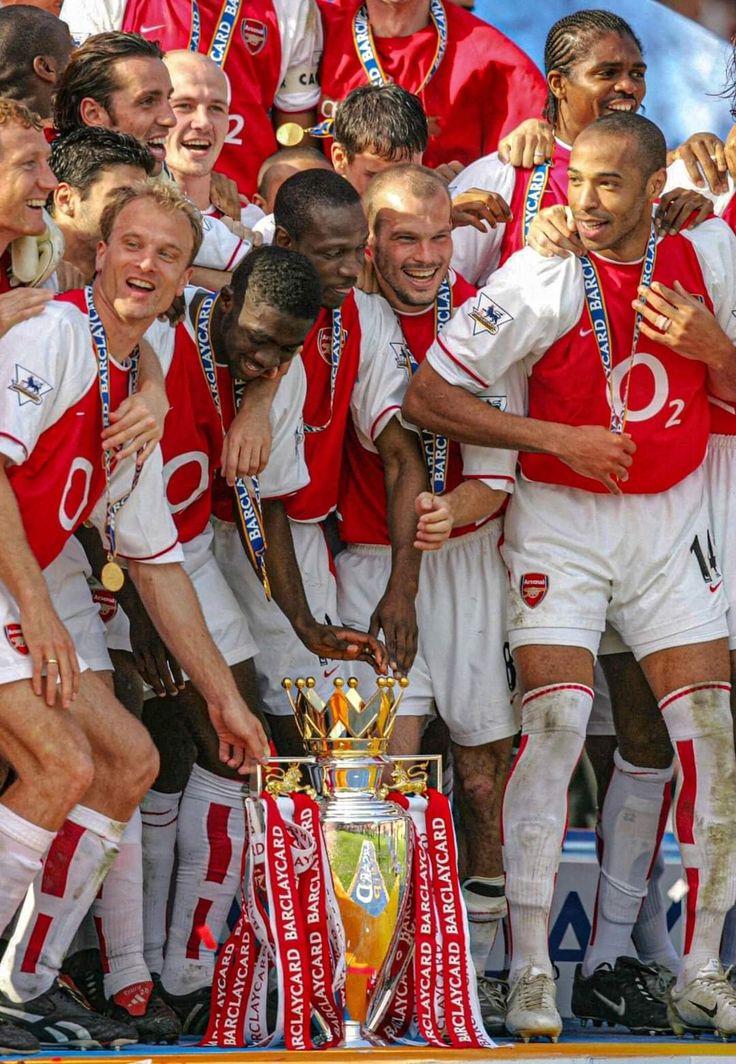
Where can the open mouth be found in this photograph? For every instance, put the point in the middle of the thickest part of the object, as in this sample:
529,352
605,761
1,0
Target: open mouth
421,274
197,147
139,286
590,227
157,147
626,104
36,204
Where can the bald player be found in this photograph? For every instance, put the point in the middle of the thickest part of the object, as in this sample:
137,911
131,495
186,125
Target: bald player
34,49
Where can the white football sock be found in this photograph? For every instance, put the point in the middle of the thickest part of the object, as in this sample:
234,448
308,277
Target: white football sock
159,814
698,720
75,865
632,821
485,903
210,840
651,935
22,849
554,719
118,915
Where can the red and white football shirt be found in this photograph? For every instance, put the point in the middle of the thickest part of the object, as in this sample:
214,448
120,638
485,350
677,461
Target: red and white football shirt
271,61
533,311
476,255
50,425
722,414
193,432
363,505
484,87
370,379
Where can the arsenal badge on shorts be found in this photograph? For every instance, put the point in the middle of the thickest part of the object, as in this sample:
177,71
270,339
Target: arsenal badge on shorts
14,635
533,588
255,34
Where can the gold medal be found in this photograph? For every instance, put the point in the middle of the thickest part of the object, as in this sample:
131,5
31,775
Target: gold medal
112,576
290,134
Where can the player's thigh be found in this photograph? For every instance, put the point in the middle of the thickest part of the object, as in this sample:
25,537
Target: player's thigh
115,737
41,742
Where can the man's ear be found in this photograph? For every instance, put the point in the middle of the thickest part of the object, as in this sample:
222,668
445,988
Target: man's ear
281,238
65,199
226,298
44,68
339,158
93,113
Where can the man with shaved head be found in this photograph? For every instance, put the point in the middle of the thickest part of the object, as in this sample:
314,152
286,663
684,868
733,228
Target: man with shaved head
34,49
462,584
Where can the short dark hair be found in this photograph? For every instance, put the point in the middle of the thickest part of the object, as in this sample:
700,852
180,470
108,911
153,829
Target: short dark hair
281,278
569,40
165,195
301,194
91,73
78,157
650,143
383,119
25,33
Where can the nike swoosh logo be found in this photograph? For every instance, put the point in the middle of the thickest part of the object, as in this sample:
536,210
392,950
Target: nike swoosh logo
705,1009
585,332
329,672
619,1008
150,29
714,587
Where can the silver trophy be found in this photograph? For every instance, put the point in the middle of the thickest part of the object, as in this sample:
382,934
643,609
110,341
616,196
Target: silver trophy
368,839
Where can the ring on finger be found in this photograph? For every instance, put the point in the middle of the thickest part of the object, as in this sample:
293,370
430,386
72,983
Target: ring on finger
52,661
663,323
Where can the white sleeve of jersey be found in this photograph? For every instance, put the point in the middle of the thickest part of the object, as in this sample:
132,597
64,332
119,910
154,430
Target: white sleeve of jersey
527,305
250,214
301,51
46,366
678,177
266,227
715,245
144,528
161,336
221,249
475,255
85,18
286,469
382,373
495,466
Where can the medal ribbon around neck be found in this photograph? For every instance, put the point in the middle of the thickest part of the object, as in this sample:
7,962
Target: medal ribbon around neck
365,46
223,36
112,507
247,505
602,330
435,448
335,356
535,190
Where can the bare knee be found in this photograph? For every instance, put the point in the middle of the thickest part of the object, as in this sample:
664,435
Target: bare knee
482,770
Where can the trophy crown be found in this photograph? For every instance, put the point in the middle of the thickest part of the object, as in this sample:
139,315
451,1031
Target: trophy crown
345,723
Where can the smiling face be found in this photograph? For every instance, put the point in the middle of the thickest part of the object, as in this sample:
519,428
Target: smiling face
611,77
87,209
335,244
411,243
261,339
140,105
610,198
200,106
25,180
145,263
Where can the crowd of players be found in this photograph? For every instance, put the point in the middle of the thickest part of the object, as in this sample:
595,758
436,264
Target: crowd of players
264,408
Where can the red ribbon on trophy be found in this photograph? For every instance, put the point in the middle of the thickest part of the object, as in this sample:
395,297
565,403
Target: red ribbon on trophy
289,923
444,999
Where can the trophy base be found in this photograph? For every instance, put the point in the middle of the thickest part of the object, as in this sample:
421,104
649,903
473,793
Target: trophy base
356,1037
